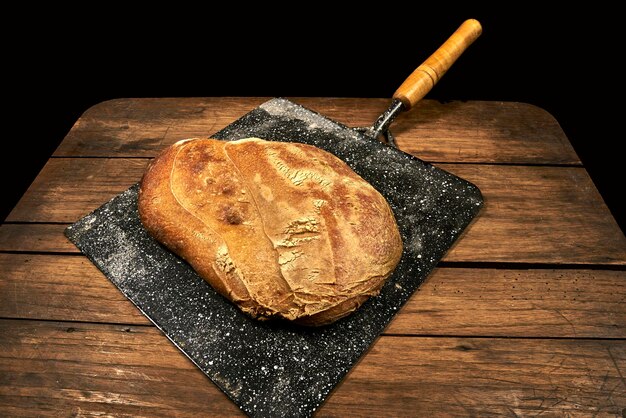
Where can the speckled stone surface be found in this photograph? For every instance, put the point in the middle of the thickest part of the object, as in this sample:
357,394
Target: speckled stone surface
278,369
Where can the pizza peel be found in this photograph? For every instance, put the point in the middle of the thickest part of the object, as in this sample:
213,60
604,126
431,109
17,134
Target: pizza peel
276,368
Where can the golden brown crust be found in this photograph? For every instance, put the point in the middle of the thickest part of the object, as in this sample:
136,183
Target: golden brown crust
281,229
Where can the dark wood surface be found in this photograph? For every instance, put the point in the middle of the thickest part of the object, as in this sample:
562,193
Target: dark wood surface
525,315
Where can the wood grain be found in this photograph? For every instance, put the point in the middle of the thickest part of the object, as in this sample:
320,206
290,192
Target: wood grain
500,132
531,214
49,368
530,303
67,189
548,303
88,369
484,377
35,238
538,215
483,132
68,288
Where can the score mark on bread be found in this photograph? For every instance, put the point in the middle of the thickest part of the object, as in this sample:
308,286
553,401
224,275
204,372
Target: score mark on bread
283,230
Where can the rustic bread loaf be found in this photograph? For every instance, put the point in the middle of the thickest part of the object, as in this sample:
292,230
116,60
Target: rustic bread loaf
281,229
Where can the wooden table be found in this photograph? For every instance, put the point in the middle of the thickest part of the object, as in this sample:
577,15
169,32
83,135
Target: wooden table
525,315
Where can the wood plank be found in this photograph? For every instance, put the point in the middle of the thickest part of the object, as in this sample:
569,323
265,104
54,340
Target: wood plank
35,238
476,131
90,369
538,215
69,188
485,377
532,214
68,288
87,370
525,303
483,132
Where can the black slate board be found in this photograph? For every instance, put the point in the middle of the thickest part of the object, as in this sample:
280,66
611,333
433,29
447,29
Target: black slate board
279,369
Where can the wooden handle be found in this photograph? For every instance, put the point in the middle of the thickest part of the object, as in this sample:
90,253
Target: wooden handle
422,80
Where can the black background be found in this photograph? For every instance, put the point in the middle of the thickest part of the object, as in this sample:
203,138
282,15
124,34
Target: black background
59,63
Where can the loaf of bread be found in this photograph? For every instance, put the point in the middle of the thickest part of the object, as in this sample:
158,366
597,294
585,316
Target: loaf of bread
283,230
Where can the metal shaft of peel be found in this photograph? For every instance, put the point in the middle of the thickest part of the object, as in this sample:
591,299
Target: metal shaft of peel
381,126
